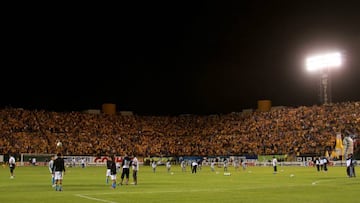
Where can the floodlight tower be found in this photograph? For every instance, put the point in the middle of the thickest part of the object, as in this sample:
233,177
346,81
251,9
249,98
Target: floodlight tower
324,63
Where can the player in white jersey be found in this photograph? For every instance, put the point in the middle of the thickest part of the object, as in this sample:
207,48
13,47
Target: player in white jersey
135,168
153,166
274,163
226,164
183,166
12,165
51,169
168,166
212,165
194,166
236,164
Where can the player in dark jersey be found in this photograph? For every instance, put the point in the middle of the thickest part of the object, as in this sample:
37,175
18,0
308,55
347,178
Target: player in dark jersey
108,170
113,171
59,171
125,169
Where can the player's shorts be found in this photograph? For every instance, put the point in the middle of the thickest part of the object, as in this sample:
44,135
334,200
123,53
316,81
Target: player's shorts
58,175
108,172
125,173
113,177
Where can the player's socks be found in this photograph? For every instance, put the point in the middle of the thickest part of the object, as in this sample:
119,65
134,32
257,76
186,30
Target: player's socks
107,180
113,185
56,187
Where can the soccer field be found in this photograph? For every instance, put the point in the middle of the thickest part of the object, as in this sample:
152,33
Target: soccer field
255,184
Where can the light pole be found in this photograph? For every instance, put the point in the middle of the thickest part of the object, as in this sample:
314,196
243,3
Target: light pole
324,63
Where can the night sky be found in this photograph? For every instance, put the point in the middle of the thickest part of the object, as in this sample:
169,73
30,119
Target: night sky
182,57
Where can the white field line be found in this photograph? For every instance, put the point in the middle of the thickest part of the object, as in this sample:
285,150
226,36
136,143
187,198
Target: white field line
96,199
315,182
87,196
163,191
318,181
142,192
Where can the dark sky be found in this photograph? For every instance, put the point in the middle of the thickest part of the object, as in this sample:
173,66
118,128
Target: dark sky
161,58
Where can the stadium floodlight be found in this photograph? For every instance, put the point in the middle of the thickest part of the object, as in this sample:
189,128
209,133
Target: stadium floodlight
319,62
324,63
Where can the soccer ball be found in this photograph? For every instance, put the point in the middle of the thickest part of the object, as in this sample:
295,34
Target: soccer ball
59,144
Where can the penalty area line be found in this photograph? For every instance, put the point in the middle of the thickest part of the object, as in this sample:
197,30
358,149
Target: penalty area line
318,181
93,198
315,182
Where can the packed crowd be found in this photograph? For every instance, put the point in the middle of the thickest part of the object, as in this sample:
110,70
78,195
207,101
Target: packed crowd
286,130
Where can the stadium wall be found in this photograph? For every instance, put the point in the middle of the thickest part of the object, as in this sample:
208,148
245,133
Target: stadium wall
42,160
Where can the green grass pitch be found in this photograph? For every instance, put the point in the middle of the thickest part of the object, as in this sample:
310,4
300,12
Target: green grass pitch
255,184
